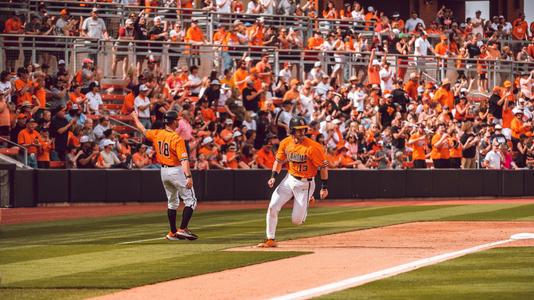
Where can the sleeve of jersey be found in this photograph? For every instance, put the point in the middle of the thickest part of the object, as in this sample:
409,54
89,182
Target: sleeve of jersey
181,151
150,134
281,153
317,156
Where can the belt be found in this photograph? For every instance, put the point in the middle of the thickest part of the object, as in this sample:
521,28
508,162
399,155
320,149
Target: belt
169,166
301,178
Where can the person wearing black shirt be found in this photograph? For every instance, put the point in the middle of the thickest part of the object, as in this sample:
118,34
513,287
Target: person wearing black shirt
88,156
386,112
213,93
251,97
495,104
399,96
59,130
399,136
469,146
498,136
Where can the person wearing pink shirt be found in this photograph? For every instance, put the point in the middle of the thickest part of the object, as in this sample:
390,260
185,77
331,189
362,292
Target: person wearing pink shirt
185,130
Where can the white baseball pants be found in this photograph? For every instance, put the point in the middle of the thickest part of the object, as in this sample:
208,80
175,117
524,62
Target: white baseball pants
290,187
174,183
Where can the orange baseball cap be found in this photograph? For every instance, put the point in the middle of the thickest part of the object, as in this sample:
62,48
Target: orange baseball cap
64,12
507,84
294,82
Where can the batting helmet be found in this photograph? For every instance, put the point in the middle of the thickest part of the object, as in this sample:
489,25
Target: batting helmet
297,123
170,116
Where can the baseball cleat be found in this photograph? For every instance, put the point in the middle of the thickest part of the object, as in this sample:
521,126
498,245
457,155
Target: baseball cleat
269,243
173,237
186,234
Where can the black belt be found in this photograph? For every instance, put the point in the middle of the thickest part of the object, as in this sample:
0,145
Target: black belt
168,166
300,178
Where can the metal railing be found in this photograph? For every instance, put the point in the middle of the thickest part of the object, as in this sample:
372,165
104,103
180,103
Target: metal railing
24,150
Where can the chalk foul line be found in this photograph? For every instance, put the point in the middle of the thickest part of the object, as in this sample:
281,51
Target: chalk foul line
389,272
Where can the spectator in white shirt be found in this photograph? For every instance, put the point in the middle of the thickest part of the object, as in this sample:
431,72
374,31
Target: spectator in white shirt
286,71
493,159
223,6
387,75
142,106
317,72
94,27
413,21
267,6
478,23
525,83
195,81
422,45
102,126
357,96
254,7
94,99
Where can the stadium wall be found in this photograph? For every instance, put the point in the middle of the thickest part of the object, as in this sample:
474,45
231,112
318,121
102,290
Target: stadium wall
41,187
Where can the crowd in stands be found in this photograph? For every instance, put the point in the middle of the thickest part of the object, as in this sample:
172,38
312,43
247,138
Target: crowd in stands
380,118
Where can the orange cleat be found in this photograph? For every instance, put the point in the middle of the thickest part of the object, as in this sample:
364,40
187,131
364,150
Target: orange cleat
269,243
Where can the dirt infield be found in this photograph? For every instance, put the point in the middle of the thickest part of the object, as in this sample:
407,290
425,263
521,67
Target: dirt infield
55,213
335,257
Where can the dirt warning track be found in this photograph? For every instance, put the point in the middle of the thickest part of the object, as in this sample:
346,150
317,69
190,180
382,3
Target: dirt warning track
334,258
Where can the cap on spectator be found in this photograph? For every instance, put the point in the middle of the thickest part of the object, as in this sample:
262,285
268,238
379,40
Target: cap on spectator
75,106
287,102
376,62
464,90
229,122
26,104
317,64
237,133
507,84
21,116
325,76
294,82
124,136
517,110
287,64
501,17
395,15
237,22
225,87
143,88
388,96
328,118
32,120
413,75
445,81
95,10
36,66
107,142
498,127
443,37
87,61
64,12
194,20
84,139
260,20
371,9
61,62
375,87
215,82
353,78
429,85
129,22
157,19
336,121
463,25
207,140
247,59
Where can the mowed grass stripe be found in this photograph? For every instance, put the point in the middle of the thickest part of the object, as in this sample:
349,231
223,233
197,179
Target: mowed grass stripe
523,212
157,270
56,294
502,273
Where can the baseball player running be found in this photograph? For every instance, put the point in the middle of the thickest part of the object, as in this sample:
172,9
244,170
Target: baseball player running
305,157
175,173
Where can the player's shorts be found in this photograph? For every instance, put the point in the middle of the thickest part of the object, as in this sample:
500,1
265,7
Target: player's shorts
173,179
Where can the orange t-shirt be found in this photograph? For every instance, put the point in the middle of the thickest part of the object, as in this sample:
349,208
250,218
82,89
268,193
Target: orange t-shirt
44,155
373,76
441,152
27,96
169,146
291,95
418,148
208,114
520,29
411,89
231,160
444,97
40,93
455,152
507,117
240,75
265,157
128,104
304,158
517,128
441,49
314,43
194,34
25,138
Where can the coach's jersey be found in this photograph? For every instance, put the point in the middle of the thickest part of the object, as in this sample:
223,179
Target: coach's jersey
304,158
169,146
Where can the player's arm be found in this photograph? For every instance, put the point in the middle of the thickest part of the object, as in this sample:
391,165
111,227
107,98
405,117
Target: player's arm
138,124
184,161
277,167
323,193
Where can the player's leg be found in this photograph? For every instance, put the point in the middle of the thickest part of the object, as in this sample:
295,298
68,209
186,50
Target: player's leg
172,202
190,201
302,191
280,196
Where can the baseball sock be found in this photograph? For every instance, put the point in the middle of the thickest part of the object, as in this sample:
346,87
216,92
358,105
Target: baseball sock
171,214
186,216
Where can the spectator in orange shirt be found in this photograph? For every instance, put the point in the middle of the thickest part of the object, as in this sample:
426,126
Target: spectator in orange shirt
31,139
240,76
23,87
330,11
43,158
418,143
373,70
265,157
13,25
444,95
440,148
411,86
208,115
520,28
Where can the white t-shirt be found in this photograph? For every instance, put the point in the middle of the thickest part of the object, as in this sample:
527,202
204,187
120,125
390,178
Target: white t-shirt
94,100
194,80
94,28
386,79
307,104
286,74
250,125
140,101
411,23
269,6
525,84
322,89
285,116
494,159
250,7
4,86
358,99
224,8
316,74
421,47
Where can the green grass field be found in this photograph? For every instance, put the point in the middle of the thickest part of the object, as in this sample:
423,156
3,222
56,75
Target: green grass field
82,258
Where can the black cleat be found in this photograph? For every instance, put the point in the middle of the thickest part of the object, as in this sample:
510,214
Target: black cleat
186,234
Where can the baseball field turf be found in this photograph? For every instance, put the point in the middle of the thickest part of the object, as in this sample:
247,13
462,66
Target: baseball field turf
88,257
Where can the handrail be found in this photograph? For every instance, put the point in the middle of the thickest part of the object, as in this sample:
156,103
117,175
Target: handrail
20,146
123,123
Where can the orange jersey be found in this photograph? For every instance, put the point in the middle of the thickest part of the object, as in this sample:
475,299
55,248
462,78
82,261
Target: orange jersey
169,146
304,158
